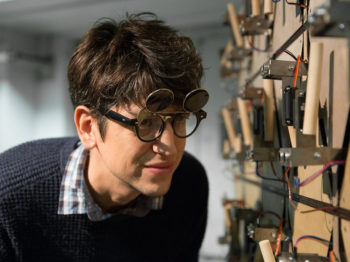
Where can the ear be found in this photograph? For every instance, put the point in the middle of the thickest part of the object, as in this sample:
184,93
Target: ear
86,125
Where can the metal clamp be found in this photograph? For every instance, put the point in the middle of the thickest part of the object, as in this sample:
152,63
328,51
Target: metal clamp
277,69
293,157
255,25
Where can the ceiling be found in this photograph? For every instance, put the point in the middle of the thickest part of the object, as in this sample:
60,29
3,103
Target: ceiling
74,17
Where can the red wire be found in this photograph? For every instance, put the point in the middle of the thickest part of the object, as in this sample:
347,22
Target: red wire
289,188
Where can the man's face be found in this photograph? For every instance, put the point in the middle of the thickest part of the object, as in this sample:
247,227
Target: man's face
131,166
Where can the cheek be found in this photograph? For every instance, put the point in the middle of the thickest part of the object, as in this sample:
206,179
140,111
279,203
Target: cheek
124,148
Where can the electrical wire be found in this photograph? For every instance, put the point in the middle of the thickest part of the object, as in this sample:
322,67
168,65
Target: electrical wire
280,230
301,5
324,241
267,49
316,174
264,177
278,242
319,209
267,212
289,188
287,52
296,72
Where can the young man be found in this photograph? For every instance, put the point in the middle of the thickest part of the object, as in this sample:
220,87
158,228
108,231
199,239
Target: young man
124,190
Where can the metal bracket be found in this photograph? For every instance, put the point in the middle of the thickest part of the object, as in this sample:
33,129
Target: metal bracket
261,233
277,69
293,157
255,25
331,20
242,156
252,93
239,53
263,154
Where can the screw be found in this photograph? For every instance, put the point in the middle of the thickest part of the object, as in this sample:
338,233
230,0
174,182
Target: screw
317,155
273,234
258,24
311,19
341,26
291,67
301,93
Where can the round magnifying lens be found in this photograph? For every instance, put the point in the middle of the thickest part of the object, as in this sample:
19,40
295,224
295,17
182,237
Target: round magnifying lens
159,99
149,125
184,125
196,100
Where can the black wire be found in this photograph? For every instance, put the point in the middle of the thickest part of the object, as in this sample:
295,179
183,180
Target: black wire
264,177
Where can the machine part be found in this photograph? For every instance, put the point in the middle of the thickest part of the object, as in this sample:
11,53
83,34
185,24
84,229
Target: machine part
255,25
258,122
293,157
277,69
269,233
284,46
321,206
300,107
331,20
252,93
288,107
239,53
263,154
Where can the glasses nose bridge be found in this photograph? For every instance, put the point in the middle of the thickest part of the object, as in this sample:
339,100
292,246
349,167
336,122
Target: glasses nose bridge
165,118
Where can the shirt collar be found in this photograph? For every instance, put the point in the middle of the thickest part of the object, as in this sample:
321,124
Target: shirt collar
75,198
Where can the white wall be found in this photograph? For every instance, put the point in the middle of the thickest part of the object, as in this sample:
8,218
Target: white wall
34,103
206,144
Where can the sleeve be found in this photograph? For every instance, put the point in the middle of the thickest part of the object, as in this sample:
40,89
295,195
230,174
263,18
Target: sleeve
197,216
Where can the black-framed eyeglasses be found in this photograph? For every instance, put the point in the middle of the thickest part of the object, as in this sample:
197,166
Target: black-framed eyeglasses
149,125
150,122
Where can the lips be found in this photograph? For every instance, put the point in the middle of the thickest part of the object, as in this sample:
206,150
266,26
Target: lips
159,168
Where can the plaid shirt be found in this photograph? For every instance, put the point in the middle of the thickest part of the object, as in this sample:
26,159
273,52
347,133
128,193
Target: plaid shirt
75,198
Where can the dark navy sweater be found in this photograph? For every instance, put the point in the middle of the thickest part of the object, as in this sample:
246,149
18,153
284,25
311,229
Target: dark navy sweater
31,229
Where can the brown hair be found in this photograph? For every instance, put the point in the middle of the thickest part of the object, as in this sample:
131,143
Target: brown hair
121,63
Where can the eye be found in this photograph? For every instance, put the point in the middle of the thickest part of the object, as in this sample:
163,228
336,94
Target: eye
147,122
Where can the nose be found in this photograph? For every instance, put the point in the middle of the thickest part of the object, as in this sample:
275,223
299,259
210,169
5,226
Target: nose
166,143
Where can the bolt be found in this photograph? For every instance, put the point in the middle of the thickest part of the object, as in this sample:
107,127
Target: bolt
311,19
258,24
301,93
306,260
273,234
291,68
317,155
341,26
265,67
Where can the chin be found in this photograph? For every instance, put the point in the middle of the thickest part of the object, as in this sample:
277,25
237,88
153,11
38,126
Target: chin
159,190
